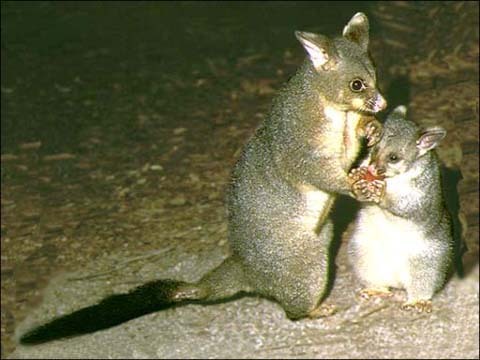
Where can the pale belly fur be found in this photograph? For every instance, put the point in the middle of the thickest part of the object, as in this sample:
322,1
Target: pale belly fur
382,246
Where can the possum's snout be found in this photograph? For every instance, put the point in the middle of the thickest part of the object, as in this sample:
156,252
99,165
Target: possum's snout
374,173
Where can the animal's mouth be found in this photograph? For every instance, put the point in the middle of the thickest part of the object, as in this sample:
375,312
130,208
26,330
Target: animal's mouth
366,111
378,173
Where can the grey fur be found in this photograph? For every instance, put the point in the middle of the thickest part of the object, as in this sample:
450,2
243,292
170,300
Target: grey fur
282,189
410,219
298,147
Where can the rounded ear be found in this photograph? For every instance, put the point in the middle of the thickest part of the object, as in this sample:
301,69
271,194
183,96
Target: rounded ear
400,110
430,138
319,49
357,30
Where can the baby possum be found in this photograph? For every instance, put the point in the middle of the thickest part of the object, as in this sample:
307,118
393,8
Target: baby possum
403,234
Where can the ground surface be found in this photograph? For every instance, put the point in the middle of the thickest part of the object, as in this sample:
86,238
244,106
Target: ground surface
120,124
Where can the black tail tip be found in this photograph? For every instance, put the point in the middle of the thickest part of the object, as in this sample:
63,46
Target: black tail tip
44,334
34,338
111,311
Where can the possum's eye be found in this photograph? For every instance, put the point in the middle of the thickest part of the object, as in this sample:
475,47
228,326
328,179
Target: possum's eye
357,85
393,158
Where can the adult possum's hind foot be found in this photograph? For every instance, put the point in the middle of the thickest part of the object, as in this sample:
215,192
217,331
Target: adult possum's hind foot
419,305
324,310
368,294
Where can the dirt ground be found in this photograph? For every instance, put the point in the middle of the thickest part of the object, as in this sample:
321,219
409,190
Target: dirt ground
120,126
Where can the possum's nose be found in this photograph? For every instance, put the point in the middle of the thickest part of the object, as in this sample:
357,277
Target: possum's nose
380,103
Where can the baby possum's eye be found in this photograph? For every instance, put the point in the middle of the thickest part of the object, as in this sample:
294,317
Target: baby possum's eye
393,158
357,85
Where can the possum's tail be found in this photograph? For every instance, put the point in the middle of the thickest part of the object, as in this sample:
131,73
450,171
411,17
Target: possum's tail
223,282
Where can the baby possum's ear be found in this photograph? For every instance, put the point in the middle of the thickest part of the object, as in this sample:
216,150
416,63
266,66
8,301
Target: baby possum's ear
429,139
400,110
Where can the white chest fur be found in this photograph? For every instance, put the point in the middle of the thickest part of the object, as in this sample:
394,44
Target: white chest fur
336,117
402,189
382,247
343,126
350,137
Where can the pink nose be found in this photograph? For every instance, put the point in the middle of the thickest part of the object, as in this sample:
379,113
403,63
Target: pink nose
381,103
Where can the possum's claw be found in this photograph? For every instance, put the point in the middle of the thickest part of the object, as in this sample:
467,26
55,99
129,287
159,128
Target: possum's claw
369,191
377,188
357,174
419,305
324,310
367,294
360,190
373,132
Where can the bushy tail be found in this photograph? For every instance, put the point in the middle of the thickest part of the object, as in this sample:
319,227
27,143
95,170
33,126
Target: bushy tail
114,310
223,282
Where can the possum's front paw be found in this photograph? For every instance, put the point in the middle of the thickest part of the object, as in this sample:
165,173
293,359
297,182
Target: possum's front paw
357,174
369,191
419,305
373,132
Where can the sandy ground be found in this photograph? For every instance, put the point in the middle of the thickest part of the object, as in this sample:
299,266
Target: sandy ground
257,328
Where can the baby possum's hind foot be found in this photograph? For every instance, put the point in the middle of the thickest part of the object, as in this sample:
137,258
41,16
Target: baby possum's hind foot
419,305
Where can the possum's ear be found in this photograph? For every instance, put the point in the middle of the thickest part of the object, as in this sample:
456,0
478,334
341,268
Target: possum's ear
429,139
357,30
400,110
319,48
